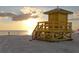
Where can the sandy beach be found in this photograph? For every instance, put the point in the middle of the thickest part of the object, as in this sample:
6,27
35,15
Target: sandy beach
23,44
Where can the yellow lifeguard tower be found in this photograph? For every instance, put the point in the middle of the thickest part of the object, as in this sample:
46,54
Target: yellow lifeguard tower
57,28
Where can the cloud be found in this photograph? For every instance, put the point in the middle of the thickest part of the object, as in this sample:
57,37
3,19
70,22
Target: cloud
28,12
23,17
74,19
7,14
75,16
17,17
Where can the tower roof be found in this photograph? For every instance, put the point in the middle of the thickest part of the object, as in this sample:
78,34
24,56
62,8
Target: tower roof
58,10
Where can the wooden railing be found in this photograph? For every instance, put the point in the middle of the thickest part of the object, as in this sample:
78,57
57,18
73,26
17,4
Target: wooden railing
44,26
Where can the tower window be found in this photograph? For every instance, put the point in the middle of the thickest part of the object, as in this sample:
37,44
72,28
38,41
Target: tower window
56,26
61,27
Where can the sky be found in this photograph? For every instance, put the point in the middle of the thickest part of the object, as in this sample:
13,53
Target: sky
6,23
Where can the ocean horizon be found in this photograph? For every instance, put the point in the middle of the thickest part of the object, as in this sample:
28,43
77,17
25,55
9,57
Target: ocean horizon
13,32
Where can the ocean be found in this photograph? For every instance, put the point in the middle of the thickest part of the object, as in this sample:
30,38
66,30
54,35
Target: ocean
13,32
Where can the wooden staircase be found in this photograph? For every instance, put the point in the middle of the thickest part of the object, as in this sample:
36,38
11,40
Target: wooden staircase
42,32
38,29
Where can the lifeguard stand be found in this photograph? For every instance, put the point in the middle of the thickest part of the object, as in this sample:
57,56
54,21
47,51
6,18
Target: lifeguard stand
57,28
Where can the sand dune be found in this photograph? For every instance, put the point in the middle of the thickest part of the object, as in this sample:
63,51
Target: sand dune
22,44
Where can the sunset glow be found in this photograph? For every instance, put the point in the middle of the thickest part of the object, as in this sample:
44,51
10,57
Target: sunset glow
36,15
29,24
33,15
